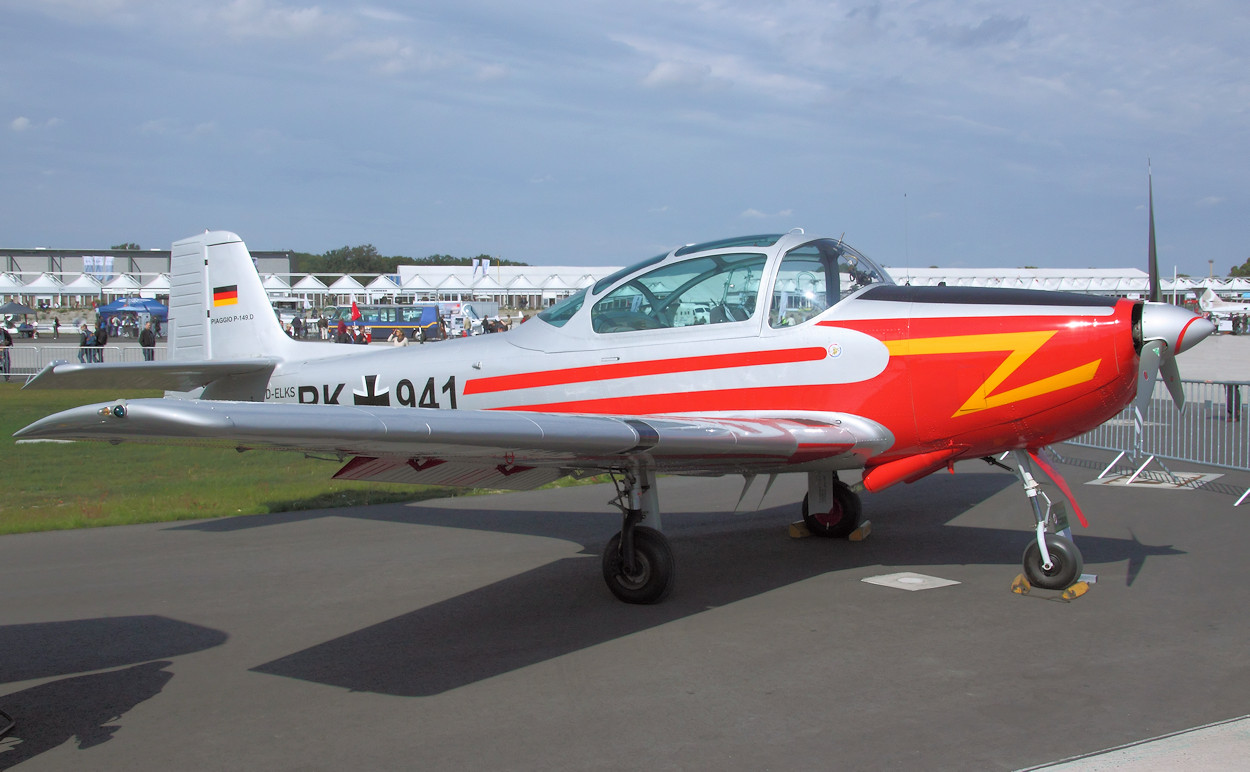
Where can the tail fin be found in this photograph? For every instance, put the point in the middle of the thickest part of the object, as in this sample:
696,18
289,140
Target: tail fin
1207,300
218,308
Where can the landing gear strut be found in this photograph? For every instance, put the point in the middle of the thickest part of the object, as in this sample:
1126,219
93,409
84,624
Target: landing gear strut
637,563
1051,560
830,508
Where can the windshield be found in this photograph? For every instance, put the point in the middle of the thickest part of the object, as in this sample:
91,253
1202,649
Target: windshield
704,290
561,312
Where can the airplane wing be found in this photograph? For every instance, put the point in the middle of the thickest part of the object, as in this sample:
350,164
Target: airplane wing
169,376
480,448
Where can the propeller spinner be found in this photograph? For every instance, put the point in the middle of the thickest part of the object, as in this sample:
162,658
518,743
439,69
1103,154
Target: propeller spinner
1166,331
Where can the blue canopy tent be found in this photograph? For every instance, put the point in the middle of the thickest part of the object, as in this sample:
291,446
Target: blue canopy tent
156,310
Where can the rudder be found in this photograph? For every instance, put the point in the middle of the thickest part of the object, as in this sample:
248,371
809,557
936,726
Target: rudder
218,308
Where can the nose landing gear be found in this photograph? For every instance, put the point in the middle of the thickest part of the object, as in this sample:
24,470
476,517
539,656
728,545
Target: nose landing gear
1051,561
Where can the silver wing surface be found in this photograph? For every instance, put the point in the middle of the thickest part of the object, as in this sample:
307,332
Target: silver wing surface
480,448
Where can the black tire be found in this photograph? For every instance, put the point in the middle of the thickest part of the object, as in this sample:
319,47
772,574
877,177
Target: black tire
653,562
1066,560
842,518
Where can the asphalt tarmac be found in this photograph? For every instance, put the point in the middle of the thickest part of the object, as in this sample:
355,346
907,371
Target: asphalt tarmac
477,633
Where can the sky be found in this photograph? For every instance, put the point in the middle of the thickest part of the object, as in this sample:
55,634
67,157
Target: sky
949,133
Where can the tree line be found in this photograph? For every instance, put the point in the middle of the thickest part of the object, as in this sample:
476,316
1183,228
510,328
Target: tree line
365,259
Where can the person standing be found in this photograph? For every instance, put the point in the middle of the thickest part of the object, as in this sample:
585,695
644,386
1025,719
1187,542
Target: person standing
56,328
6,343
101,337
398,338
147,339
86,341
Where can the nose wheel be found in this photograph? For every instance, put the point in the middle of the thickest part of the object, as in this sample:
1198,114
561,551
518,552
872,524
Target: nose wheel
1065,563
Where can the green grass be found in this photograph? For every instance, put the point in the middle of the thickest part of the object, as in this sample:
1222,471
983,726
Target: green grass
49,486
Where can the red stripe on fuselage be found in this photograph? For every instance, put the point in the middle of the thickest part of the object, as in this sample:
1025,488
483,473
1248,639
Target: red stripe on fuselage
634,369
765,398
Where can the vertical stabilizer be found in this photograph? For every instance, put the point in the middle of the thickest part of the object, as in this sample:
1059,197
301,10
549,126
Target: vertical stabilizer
218,308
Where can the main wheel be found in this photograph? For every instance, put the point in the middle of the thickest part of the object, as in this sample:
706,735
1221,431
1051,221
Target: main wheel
842,517
653,567
1065,559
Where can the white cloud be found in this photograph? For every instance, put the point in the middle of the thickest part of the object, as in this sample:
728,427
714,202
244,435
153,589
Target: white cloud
1209,201
755,214
22,124
265,19
383,15
678,73
391,56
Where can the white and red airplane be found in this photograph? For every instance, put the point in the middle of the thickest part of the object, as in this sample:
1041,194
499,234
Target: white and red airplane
752,356
1210,303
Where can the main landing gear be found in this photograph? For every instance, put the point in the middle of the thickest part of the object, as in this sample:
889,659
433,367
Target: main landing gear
830,508
637,563
1051,560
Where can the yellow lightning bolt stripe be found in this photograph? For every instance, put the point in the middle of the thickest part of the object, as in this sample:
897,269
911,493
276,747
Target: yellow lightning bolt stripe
1022,345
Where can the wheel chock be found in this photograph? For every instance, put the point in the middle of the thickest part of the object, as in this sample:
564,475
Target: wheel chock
799,530
1020,586
861,533
1075,591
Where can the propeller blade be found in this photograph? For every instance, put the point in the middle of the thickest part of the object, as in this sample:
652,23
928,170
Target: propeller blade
1172,378
1153,294
1148,373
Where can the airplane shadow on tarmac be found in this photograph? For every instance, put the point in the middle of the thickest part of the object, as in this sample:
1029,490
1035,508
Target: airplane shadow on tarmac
563,607
84,706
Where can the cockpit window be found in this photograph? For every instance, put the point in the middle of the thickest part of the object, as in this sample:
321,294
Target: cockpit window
765,240
615,276
561,312
816,275
704,290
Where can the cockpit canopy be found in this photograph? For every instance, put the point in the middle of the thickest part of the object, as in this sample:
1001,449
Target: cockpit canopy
790,278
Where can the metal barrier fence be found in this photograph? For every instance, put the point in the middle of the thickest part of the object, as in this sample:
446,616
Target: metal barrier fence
28,360
1210,430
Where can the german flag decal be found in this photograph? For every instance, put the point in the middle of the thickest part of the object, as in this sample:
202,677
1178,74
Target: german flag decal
225,296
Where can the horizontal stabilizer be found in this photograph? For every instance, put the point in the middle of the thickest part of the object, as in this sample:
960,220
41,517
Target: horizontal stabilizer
168,376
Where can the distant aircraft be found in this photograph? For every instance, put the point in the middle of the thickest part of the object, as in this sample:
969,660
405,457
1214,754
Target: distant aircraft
754,356
1210,303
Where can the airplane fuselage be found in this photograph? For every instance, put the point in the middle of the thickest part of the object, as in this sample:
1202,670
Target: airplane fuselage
965,371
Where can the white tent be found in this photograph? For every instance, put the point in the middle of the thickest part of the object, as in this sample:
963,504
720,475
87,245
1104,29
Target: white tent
121,286
417,286
275,283
452,288
10,285
347,287
84,288
383,289
158,287
311,289
45,287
